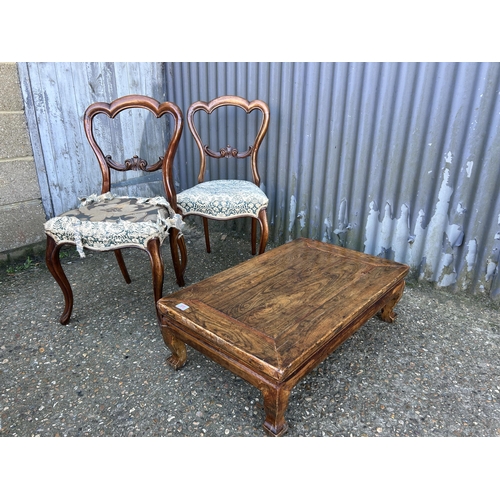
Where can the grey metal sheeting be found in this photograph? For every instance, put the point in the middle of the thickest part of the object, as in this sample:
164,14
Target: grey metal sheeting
399,160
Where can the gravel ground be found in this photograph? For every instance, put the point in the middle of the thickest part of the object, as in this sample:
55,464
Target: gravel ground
434,372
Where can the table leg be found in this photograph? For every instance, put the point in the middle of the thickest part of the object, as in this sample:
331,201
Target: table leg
275,405
387,313
177,348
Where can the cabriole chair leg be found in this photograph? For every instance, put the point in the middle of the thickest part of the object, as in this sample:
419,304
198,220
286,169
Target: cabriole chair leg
264,231
157,270
54,265
179,255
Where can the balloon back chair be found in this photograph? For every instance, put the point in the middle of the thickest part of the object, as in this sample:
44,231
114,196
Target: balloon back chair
222,199
109,222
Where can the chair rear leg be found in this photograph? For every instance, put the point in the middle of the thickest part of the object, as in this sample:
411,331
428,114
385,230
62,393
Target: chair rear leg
254,236
54,265
178,246
207,236
264,231
123,268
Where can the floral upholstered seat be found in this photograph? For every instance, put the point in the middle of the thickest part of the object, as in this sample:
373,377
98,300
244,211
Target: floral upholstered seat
106,222
223,199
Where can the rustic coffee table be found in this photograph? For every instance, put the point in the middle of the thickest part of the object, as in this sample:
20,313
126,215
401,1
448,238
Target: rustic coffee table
273,318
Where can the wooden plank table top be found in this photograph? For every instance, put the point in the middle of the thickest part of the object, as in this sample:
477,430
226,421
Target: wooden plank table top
273,318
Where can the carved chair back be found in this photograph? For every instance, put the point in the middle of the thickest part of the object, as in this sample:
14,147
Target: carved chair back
229,151
165,162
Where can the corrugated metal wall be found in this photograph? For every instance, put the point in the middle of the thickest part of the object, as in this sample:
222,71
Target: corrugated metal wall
399,160
394,159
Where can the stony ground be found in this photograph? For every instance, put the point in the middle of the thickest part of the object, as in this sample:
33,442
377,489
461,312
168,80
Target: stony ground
435,372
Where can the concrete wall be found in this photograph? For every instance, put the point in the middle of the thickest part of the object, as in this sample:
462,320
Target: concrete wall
21,212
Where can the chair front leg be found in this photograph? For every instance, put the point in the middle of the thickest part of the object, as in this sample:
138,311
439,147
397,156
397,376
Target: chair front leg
182,247
157,270
264,231
178,245
54,265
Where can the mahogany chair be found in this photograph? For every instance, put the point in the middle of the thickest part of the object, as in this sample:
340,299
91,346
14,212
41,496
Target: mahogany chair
228,199
108,222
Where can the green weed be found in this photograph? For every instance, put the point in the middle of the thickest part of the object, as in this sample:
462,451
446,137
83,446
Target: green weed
16,268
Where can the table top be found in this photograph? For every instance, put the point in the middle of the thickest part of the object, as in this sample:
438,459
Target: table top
277,309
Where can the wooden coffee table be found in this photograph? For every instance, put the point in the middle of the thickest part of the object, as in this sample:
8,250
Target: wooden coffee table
273,318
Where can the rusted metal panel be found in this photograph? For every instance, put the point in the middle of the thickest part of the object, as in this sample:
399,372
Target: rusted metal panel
399,160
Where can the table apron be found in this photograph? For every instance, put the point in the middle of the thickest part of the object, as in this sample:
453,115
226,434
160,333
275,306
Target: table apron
236,366
256,377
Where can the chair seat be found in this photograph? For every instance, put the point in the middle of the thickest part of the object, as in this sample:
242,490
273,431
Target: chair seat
107,222
223,199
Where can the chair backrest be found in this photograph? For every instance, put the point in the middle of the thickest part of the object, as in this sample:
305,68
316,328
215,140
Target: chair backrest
165,162
228,151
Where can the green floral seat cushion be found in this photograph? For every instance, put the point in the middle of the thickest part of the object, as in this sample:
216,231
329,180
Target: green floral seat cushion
106,222
223,199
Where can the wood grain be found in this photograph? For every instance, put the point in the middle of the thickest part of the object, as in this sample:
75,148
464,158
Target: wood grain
273,318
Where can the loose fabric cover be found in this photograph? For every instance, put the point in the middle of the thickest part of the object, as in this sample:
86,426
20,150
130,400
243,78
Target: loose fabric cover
223,199
106,222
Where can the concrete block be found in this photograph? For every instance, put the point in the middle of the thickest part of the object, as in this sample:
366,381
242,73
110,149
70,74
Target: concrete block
18,181
14,138
11,98
21,224
21,254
